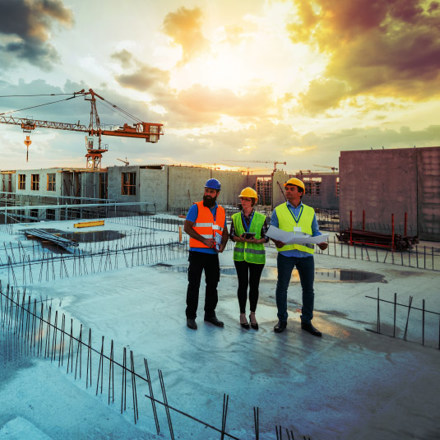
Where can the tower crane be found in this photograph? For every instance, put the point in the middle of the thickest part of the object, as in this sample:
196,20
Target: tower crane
149,131
125,162
275,163
326,166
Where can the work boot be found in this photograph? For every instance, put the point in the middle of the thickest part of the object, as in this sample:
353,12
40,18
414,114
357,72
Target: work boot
308,327
191,323
280,327
213,320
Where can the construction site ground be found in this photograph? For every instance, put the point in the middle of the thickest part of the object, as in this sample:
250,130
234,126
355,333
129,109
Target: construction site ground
352,383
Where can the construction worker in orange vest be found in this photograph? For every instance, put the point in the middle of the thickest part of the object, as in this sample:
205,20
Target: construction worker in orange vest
295,216
206,225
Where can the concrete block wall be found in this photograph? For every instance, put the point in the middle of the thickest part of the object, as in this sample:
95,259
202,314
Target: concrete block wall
153,183
395,181
232,184
328,197
42,191
428,185
114,183
186,186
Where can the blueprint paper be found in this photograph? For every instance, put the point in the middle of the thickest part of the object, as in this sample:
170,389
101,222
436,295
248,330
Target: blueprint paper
294,237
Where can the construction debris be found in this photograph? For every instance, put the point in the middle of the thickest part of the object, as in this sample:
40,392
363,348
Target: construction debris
44,235
394,242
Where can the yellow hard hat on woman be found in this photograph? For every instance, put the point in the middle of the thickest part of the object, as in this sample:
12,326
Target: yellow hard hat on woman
249,192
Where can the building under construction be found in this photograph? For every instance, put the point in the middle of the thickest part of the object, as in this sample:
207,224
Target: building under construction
373,186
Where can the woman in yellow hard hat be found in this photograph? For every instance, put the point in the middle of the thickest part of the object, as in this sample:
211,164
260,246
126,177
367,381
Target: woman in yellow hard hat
248,231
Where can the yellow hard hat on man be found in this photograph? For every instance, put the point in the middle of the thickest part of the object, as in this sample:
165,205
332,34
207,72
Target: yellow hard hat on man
249,193
296,182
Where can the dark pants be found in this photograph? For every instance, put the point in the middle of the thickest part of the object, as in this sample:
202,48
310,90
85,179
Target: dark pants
248,274
306,271
199,262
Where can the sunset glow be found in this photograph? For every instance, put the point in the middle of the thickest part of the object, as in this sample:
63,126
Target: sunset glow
291,79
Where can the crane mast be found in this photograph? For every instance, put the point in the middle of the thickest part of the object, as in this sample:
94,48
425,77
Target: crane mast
149,131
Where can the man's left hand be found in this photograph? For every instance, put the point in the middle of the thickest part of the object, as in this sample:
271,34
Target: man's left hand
323,246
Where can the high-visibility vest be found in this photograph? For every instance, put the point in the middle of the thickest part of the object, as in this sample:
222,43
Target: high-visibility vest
249,252
287,222
206,226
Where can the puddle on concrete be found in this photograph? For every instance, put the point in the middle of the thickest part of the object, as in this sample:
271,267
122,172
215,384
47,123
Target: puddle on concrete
79,237
87,236
92,236
321,275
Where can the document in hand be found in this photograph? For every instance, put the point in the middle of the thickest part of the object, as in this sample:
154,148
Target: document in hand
294,237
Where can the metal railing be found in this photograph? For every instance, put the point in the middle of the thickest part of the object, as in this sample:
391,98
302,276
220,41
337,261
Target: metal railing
420,257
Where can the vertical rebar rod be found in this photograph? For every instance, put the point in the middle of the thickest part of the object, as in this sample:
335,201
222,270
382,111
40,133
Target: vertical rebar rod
54,338
100,368
257,422
70,349
34,327
407,318
423,322
111,375
89,360
48,330
40,331
153,402
133,389
378,312
395,313
224,415
79,354
124,381
61,352
167,409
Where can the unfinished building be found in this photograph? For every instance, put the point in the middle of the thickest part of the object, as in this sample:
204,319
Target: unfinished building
403,184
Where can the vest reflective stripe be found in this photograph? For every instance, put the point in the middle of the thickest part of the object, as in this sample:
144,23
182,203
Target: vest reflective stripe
206,226
249,252
286,222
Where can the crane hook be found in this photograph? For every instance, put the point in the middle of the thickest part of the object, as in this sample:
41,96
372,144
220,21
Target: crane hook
27,142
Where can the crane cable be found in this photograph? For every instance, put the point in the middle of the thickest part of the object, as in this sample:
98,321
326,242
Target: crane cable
75,95
39,105
40,94
126,113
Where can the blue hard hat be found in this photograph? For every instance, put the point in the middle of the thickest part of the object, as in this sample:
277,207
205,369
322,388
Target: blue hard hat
213,184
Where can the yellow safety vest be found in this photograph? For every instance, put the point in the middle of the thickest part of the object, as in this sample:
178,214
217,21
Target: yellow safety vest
249,252
287,222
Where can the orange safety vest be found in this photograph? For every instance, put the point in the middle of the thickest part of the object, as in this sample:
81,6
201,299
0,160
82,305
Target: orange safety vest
206,226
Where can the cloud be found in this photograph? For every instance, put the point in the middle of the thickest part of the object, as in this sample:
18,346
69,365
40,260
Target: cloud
208,104
184,27
124,57
199,105
25,31
386,48
323,93
145,78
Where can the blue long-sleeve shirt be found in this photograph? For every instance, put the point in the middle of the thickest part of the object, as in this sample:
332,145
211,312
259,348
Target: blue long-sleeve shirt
296,212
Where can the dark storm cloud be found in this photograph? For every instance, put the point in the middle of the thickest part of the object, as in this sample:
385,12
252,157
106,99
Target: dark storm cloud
386,48
25,30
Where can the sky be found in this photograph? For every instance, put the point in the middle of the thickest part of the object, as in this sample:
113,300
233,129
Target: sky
238,84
